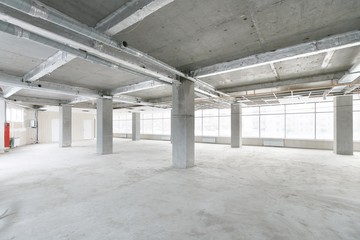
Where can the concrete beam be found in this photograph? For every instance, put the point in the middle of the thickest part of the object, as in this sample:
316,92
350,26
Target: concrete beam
36,101
332,43
343,125
49,87
52,63
131,13
281,83
182,125
65,126
136,87
9,91
104,126
352,75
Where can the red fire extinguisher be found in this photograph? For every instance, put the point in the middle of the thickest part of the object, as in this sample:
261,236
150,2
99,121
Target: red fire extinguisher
7,135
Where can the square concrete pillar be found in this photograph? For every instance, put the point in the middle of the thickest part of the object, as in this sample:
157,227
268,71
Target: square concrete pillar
2,124
236,136
104,126
65,126
182,124
343,125
135,126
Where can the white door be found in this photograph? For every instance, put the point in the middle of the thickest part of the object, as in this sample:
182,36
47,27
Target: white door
55,130
87,129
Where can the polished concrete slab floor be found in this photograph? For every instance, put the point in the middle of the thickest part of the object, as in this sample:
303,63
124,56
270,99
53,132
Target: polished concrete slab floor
248,193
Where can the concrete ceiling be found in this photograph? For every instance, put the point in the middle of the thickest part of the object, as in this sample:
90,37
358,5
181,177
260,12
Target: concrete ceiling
189,34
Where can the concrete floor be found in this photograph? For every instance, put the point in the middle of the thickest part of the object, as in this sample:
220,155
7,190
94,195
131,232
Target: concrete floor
248,193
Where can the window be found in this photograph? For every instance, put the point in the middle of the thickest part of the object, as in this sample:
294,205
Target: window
272,126
300,121
14,114
122,122
325,121
250,126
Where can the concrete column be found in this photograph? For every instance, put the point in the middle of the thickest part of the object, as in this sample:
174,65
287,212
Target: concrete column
343,125
2,124
135,126
236,135
65,126
182,129
104,126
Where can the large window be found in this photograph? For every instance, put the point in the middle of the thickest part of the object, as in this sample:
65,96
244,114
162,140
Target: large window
251,122
325,121
300,121
156,122
272,122
14,114
291,121
122,122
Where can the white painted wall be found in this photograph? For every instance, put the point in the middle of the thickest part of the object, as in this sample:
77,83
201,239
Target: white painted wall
83,126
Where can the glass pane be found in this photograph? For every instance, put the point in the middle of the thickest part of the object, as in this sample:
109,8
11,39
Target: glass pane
356,119
157,126
356,106
325,126
225,127
300,108
272,126
250,126
211,112
198,113
8,115
148,128
128,126
210,126
224,112
300,126
167,126
278,109
198,126
116,126
250,110
325,107
167,114
122,126
157,115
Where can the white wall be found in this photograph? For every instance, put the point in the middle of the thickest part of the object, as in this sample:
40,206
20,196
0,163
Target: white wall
21,131
83,126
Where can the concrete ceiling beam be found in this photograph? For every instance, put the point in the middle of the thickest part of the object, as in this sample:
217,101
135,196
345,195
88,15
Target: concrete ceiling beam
36,101
136,87
9,91
131,13
282,83
351,75
48,87
49,65
332,43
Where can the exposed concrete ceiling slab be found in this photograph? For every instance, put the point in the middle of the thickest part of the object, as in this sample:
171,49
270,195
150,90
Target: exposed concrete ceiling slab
19,56
42,94
247,76
191,34
85,11
82,73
